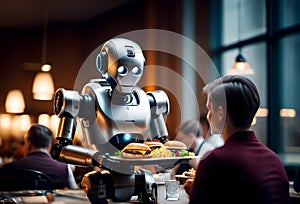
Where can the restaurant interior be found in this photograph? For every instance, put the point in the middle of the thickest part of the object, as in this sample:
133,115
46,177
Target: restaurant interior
209,38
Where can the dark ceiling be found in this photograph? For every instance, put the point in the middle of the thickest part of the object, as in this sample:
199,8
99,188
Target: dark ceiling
31,13
21,23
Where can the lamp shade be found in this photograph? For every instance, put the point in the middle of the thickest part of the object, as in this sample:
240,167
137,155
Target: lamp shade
5,124
54,122
240,67
43,86
44,119
15,102
20,125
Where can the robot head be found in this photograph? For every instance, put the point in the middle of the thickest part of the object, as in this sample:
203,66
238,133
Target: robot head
121,62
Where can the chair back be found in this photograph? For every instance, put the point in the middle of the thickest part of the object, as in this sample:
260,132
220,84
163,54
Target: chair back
12,179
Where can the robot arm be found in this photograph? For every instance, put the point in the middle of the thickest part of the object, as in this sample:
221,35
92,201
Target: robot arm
160,107
67,106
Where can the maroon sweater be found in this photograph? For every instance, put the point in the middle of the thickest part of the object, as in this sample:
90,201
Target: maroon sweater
242,171
40,161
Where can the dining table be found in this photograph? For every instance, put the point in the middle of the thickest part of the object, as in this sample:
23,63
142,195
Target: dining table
79,197
66,196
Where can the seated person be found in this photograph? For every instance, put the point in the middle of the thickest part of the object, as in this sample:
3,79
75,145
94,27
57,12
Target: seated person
38,140
190,135
243,170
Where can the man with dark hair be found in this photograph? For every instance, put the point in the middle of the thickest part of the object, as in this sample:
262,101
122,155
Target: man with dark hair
38,140
243,170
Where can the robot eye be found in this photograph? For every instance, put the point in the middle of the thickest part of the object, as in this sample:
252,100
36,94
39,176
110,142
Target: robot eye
136,70
122,70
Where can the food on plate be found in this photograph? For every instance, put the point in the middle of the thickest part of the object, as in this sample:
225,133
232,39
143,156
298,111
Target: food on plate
136,150
190,173
175,144
154,144
161,152
184,153
154,149
182,178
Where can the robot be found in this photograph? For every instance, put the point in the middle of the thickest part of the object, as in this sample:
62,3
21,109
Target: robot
111,111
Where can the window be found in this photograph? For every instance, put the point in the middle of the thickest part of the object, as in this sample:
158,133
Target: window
239,21
269,39
289,14
290,48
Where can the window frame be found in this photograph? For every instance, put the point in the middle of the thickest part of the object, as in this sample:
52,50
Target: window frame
274,33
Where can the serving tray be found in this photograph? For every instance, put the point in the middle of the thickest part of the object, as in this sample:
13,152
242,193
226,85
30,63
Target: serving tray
163,162
126,165
153,161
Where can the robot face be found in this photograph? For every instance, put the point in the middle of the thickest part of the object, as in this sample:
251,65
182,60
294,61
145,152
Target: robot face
128,75
121,62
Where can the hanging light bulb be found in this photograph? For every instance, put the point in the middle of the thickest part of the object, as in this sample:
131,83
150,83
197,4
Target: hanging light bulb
5,125
46,67
44,119
43,86
15,102
20,125
240,66
54,121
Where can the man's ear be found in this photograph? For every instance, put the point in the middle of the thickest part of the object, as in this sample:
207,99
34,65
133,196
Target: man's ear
221,114
28,143
192,135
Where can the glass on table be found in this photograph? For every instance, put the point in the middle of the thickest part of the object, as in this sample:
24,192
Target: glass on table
172,189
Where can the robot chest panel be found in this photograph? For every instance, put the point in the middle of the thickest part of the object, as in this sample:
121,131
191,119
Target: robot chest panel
130,113
125,118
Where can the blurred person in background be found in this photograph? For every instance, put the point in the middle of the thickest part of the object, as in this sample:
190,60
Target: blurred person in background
191,135
243,170
215,139
38,140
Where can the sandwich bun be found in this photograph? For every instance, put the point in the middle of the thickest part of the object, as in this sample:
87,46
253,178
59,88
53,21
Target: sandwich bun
175,144
136,150
153,144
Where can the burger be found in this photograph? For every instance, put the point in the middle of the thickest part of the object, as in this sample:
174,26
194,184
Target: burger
175,144
154,144
136,150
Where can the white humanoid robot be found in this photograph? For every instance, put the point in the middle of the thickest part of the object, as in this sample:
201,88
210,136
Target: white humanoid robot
112,112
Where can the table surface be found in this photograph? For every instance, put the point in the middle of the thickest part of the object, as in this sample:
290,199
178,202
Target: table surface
78,197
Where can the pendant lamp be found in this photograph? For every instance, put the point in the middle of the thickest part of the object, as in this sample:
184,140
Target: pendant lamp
15,102
43,85
240,66
5,125
44,119
20,125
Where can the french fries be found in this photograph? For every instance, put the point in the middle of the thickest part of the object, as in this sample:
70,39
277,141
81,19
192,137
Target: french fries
190,173
161,152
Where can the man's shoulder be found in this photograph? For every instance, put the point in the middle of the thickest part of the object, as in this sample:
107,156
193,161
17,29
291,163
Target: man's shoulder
18,163
220,154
